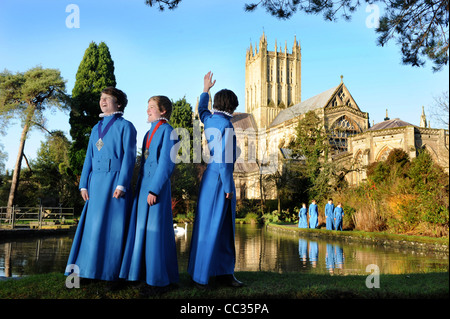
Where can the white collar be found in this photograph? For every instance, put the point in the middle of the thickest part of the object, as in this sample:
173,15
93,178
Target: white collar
114,113
158,119
223,112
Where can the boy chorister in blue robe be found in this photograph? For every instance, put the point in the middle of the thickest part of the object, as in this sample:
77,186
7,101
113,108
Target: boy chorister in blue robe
302,217
313,215
338,216
97,246
212,245
329,214
150,252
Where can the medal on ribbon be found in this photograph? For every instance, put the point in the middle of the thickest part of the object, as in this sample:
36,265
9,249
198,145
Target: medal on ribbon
101,133
149,140
99,144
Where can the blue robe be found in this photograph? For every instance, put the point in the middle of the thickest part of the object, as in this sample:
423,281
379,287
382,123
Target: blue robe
339,256
313,216
330,258
303,249
98,242
339,215
212,245
313,253
150,253
302,222
329,213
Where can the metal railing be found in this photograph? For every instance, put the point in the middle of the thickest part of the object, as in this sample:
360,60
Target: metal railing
33,217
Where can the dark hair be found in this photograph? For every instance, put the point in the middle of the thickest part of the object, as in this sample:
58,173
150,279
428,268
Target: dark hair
164,104
120,96
225,100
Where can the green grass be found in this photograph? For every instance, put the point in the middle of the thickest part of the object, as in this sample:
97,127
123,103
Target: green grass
259,285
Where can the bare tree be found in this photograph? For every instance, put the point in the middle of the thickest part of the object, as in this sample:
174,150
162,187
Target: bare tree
439,110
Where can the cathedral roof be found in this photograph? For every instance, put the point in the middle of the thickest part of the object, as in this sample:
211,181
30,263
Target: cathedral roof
243,121
313,103
389,124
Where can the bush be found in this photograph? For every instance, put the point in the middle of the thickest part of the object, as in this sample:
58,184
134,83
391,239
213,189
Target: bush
251,218
400,196
277,217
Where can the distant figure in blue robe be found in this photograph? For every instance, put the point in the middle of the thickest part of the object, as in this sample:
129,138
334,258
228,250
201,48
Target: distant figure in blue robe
313,253
303,251
338,217
212,245
313,215
330,258
339,252
105,182
302,217
329,214
150,252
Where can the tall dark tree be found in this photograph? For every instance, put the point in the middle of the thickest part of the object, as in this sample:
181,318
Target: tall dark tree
95,72
185,176
311,148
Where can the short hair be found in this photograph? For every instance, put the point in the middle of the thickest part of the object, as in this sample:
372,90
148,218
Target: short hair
225,100
164,104
120,96
330,199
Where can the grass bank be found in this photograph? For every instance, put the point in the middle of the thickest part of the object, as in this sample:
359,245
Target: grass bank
259,285
382,238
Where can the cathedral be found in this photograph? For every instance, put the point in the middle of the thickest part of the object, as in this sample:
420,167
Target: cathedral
274,106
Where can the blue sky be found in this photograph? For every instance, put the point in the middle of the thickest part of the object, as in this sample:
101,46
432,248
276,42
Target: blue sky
169,52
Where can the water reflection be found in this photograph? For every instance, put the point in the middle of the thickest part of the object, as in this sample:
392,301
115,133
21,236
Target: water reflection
257,249
334,258
21,257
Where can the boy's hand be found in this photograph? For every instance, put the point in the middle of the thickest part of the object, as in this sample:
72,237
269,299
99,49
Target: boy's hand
118,193
85,195
229,195
208,82
151,199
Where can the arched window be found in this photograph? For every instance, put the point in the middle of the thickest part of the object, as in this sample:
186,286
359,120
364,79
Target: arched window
383,154
340,130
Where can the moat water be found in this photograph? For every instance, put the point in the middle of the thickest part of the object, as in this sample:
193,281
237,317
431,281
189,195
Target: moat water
257,249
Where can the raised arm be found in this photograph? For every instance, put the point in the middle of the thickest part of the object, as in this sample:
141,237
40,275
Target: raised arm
203,111
208,83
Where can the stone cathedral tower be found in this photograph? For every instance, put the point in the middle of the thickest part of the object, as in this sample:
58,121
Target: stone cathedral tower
272,81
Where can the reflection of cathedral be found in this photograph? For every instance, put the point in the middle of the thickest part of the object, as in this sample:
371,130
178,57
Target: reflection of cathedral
273,107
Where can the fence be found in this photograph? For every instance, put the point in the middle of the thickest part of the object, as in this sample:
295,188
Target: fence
34,217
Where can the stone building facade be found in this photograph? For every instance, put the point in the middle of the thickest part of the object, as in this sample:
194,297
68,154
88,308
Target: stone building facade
273,107
377,142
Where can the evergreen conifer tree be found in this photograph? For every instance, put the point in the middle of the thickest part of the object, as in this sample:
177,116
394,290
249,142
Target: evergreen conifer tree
95,72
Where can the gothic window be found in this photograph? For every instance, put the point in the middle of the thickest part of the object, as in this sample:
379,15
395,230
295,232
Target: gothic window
342,95
358,166
246,148
251,152
334,103
341,129
270,72
384,153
